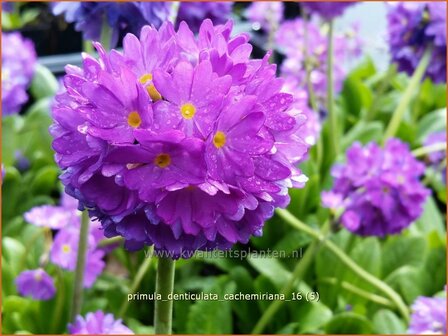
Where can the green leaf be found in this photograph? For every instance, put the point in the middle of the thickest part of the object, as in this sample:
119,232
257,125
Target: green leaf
13,251
400,251
45,181
349,323
44,83
364,133
272,269
212,317
431,220
430,123
386,322
313,317
409,281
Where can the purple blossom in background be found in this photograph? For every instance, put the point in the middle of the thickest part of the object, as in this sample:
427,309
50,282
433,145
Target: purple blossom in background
291,40
310,129
17,71
98,323
193,13
36,284
327,10
7,6
181,141
428,316
54,216
379,189
266,15
121,17
413,27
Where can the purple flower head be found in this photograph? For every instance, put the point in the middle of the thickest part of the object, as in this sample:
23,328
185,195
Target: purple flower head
17,71
36,284
428,316
98,323
413,28
180,141
265,15
291,40
327,10
121,17
194,13
379,189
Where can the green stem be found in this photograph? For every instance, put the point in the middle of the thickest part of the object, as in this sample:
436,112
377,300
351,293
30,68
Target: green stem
298,272
422,151
136,283
385,82
80,266
110,241
311,95
106,35
345,259
60,303
330,91
174,11
163,312
87,46
360,292
415,80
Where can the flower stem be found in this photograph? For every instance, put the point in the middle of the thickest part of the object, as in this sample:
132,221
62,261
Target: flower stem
174,11
311,95
345,259
298,272
80,266
110,241
399,112
422,151
136,283
106,35
360,292
163,312
330,91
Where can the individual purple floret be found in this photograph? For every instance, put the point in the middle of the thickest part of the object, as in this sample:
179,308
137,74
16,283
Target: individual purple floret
36,284
98,323
194,13
121,17
428,316
413,28
265,15
17,71
180,141
327,10
378,189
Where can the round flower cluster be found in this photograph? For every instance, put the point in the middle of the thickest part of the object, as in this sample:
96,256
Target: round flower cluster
17,71
195,12
428,316
180,141
378,189
327,10
98,323
265,15
312,48
414,28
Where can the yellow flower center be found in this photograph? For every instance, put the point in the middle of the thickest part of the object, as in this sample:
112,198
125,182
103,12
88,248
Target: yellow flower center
145,78
219,139
188,111
162,160
152,91
66,248
134,119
